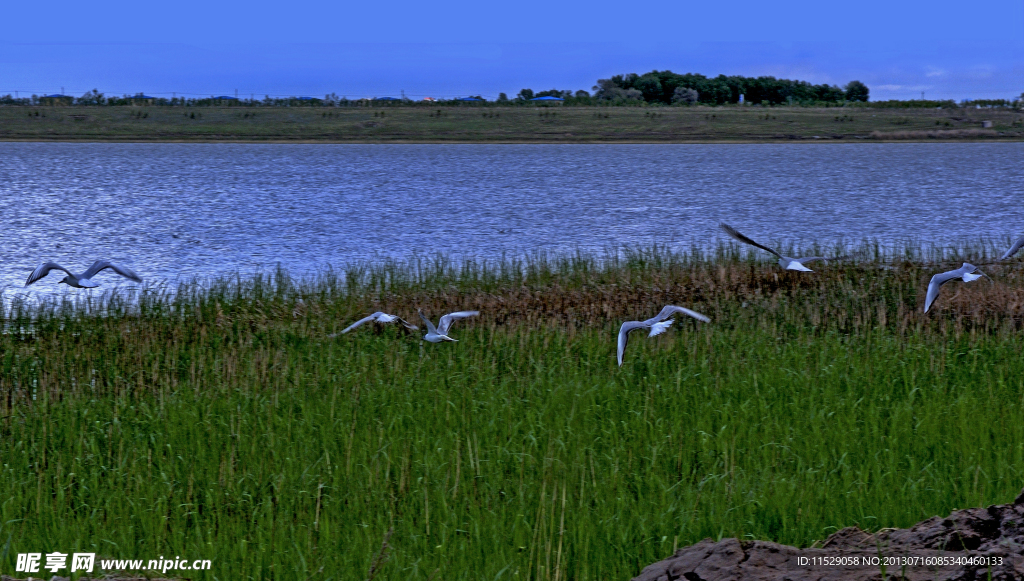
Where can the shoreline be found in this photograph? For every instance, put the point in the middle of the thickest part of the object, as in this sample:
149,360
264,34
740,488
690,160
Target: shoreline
823,140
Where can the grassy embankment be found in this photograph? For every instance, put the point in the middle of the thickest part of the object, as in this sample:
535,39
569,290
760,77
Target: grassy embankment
504,124
223,424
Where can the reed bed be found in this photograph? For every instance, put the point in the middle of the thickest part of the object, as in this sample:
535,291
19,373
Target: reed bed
217,420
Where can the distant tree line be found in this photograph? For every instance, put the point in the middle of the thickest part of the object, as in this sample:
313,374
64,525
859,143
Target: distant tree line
668,88
946,103
917,104
96,98
653,88
989,103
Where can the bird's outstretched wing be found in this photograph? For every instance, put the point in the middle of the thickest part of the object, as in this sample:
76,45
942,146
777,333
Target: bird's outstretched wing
43,270
104,264
372,317
624,335
737,235
407,324
937,281
795,265
430,326
967,273
447,320
1013,249
670,310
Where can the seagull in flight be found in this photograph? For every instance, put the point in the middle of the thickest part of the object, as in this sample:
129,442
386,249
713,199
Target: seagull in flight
786,262
965,272
83,280
657,325
440,333
379,318
1013,249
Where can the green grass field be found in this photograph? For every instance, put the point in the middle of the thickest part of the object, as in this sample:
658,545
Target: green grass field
504,124
220,422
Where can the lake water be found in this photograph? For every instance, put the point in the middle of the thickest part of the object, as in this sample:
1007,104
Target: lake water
189,210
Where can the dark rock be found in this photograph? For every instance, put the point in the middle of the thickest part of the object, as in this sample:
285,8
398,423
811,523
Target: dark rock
968,545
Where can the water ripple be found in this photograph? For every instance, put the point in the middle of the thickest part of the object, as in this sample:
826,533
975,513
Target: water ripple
208,209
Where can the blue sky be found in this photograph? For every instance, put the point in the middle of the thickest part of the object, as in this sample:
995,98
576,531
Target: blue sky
359,49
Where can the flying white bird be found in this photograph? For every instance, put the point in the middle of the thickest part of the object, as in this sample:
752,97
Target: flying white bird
657,325
379,318
440,333
1013,249
83,280
787,262
965,272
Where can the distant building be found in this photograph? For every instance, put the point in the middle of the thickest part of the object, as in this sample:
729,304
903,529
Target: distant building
142,99
549,100
225,100
56,100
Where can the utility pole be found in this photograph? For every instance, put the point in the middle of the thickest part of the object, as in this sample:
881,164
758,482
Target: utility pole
62,90
403,94
236,94
922,95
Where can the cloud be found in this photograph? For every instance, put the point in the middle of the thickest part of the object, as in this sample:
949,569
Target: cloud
980,72
902,87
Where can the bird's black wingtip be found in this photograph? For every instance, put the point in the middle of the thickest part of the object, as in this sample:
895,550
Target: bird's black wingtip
732,232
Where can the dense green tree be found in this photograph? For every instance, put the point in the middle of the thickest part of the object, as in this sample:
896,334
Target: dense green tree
661,86
829,93
650,86
525,95
856,91
685,96
604,87
93,97
614,90
554,93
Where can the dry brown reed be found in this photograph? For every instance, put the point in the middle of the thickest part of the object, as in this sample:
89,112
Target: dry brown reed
247,335
837,297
